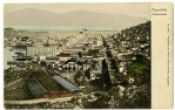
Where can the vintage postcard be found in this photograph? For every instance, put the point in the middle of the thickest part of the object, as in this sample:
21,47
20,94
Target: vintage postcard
88,56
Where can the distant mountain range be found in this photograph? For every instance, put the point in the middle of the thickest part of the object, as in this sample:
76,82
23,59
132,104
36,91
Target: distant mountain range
40,18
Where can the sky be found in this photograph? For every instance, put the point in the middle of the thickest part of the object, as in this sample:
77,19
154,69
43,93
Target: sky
132,9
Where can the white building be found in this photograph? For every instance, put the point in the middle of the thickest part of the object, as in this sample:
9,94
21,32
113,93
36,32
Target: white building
41,51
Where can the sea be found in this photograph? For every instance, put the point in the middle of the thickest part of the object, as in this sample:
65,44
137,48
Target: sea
8,56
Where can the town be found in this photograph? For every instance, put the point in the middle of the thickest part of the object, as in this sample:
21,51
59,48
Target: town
78,69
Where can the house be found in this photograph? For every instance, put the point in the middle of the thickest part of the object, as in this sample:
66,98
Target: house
47,84
64,56
35,87
95,74
66,84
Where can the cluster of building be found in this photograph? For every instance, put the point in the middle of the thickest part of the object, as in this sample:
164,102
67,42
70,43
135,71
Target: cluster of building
62,60
130,43
79,62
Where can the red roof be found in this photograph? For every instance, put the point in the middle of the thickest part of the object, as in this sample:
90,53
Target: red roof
64,55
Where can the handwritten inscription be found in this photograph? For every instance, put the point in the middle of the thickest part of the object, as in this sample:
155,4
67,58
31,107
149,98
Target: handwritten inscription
158,11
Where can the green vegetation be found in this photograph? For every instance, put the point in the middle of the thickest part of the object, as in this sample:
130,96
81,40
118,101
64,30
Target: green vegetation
77,76
139,66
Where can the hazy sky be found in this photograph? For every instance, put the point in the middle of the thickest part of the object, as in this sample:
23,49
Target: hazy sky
131,9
